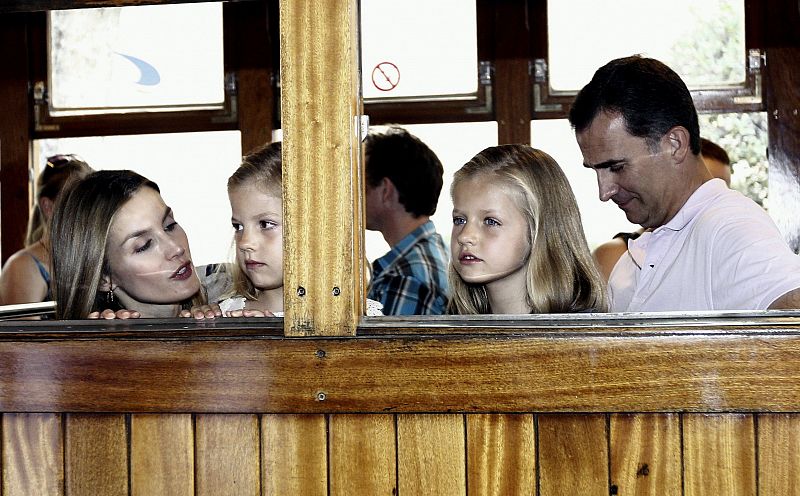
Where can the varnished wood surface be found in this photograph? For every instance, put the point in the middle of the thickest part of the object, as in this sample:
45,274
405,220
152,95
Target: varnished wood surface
320,105
495,372
645,454
501,454
32,454
294,455
573,454
778,455
719,455
357,442
227,455
96,455
782,92
431,455
162,455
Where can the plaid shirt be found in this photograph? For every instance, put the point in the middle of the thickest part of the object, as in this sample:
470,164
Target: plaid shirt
412,278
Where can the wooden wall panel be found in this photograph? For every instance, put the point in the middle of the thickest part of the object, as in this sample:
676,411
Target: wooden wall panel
573,454
719,455
162,455
96,455
646,454
32,454
357,442
227,455
431,455
778,455
294,455
322,181
501,455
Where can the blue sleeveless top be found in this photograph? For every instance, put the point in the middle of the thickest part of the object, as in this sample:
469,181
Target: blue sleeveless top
45,275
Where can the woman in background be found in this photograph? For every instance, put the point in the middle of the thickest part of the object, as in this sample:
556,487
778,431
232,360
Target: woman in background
26,275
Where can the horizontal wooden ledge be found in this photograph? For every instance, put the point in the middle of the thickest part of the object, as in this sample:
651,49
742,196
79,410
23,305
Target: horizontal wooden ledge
501,373
609,325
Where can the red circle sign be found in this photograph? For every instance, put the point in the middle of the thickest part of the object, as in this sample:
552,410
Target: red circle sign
385,76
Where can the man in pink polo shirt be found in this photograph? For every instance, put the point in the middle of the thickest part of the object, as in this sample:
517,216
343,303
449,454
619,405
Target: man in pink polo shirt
705,247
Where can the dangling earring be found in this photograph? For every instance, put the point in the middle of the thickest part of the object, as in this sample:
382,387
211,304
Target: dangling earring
109,295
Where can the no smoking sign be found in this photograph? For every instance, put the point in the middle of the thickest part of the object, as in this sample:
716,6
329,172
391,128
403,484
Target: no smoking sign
385,76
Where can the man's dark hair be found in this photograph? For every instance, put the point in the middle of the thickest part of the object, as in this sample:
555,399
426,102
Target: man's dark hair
408,162
649,96
711,150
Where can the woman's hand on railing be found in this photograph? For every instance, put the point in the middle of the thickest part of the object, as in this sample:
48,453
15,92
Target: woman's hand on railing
248,312
109,314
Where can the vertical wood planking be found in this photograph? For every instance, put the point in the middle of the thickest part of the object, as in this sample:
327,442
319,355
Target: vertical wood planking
573,454
646,454
32,454
162,454
227,455
96,455
501,455
431,455
719,454
294,455
363,455
779,455
323,186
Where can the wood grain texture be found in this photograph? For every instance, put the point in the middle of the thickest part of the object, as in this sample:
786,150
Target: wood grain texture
431,455
294,455
778,455
227,455
494,372
32,454
646,454
719,454
501,455
96,455
320,102
162,455
782,80
573,454
15,126
357,442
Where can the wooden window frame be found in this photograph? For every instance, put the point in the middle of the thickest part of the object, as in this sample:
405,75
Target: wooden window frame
746,97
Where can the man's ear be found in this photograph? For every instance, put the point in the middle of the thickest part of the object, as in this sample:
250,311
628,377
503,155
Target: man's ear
677,139
389,191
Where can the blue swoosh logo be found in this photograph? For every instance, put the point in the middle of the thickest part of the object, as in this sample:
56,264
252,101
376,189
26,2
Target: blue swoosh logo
148,74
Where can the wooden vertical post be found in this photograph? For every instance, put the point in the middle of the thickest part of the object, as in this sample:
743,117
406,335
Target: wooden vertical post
323,186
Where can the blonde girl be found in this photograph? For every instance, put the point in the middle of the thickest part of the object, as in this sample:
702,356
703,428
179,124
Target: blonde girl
517,244
254,191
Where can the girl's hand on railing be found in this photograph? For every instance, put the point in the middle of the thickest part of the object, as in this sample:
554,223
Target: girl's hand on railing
209,311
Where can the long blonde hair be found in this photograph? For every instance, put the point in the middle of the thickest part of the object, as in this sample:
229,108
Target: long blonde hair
561,276
79,237
60,170
262,168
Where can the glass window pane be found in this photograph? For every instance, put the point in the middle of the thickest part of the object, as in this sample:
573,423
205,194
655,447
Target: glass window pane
143,56
192,170
701,41
744,137
601,220
418,48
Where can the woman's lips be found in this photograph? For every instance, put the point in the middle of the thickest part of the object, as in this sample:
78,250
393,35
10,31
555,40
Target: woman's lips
184,272
253,265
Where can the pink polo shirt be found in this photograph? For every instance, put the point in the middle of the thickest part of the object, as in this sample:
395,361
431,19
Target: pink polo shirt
721,251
